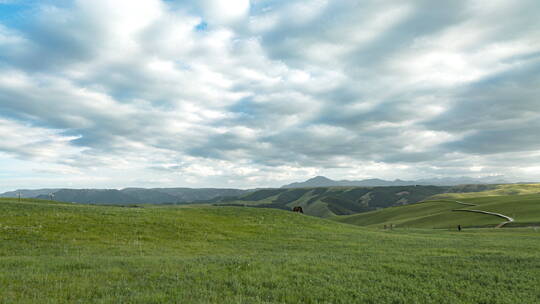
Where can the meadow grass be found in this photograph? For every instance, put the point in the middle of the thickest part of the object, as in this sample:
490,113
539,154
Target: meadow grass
67,253
525,209
499,190
431,214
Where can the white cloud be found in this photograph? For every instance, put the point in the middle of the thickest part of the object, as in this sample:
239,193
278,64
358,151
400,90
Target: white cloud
140,92
36,143
225,12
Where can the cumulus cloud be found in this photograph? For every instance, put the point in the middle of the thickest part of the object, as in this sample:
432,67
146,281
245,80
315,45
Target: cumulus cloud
257,93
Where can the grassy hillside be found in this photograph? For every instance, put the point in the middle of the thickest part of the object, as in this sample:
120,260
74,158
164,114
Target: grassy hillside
498,190
525,209
331,201
68,253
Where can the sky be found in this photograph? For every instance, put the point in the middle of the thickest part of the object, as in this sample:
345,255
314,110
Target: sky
242,94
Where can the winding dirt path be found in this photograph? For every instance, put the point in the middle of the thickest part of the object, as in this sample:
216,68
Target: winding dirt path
466,204
507,218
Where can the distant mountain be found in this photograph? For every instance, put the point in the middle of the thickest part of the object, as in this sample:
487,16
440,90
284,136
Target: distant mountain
321,181
189,195
127,195
200,194
318,181
90,196
25,193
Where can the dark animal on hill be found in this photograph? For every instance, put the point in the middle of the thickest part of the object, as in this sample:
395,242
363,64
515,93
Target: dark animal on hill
298,209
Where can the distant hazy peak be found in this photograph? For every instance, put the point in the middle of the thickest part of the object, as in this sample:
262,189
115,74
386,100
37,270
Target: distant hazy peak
320,178
322,181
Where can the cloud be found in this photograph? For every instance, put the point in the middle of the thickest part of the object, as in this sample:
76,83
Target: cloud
498,114
35,143
252,93
225,12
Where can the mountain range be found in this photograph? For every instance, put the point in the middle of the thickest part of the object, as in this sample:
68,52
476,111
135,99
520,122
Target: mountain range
321,181
185,195
127,195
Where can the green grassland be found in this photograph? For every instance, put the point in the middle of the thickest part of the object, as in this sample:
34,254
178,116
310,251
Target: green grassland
498,190
68,253
439,212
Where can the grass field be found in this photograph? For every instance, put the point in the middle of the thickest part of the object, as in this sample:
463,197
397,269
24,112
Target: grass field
525,209
499,190
67,253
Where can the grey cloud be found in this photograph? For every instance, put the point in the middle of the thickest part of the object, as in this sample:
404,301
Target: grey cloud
426,19
499,141
53,37
340,19
361,120
507,97
497,114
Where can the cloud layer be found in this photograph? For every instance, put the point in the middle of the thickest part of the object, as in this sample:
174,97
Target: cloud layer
243,94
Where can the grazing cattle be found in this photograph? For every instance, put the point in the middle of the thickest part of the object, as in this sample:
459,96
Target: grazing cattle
298,209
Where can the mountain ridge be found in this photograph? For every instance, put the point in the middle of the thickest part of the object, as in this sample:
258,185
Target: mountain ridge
126,195
322,181
134,195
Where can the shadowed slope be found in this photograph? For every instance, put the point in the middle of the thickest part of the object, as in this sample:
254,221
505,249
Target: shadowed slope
330,201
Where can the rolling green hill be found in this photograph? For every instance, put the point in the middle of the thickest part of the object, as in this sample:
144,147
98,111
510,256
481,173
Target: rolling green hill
495,190
524,209
69,253
331,201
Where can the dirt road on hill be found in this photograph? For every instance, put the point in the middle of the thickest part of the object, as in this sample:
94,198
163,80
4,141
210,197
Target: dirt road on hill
507,218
